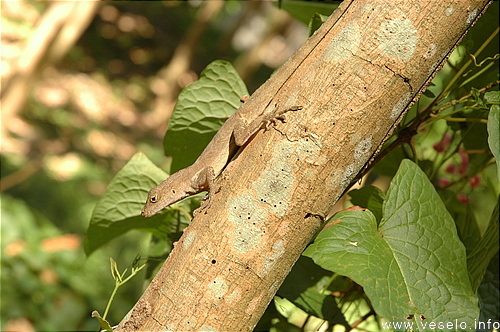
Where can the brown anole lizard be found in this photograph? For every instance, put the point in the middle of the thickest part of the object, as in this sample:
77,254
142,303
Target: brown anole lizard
200,176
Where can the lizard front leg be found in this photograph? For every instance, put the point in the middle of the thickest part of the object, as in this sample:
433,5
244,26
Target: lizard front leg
205,180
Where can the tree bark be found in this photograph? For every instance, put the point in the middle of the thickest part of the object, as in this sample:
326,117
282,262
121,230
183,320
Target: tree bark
355,77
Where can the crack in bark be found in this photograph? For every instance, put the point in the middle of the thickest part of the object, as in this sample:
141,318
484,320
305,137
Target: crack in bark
404,78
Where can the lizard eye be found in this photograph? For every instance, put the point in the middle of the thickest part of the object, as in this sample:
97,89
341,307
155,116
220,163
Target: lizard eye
153,199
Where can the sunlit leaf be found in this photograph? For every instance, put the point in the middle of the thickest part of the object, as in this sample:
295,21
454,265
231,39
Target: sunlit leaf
413,264
103,324
202,108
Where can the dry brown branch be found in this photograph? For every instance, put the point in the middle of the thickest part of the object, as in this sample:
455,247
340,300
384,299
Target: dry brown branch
58,29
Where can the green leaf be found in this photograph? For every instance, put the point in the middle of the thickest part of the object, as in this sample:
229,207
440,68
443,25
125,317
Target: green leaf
467,228
369,197
492,97
305,287
494,134
412,264
118,210
304,10
315,22
114,270
296,319
389,165
489,292
103,324
474,137
485,249
202,108
429,94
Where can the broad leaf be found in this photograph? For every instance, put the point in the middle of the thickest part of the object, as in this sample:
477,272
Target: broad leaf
480,256
413,266
202,108
119,209
489,292
467,228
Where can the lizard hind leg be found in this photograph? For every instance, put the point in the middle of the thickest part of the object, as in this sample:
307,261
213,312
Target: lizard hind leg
278,115
243,132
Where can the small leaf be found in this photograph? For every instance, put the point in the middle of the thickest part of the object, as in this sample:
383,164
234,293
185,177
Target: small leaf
118,210
316,21
428,93
136,270
202,108
492,97
476,95
136,261
114,270
412,264
103,324
494,134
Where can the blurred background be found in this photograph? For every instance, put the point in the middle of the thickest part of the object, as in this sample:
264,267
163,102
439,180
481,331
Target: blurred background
84,86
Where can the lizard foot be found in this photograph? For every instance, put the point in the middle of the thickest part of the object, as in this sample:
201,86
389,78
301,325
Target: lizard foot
274,117
207,199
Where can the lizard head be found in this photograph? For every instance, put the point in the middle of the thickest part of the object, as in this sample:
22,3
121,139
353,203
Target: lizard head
166,193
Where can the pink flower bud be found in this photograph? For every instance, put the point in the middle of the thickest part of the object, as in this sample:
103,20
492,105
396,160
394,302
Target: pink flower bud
443,182
474,181
463,199
441,146
464,163
450,169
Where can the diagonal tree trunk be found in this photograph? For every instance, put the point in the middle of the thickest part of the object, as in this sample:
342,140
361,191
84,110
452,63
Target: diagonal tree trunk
354,77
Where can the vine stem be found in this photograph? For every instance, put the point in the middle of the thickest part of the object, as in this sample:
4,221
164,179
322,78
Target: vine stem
459,119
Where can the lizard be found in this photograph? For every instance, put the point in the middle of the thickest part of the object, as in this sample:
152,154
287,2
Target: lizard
201,175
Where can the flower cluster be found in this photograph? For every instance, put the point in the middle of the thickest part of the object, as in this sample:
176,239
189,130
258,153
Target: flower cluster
456,169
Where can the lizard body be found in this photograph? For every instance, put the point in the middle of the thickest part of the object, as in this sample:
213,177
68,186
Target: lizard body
200,176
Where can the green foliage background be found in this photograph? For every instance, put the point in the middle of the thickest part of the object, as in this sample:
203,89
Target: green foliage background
48,280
